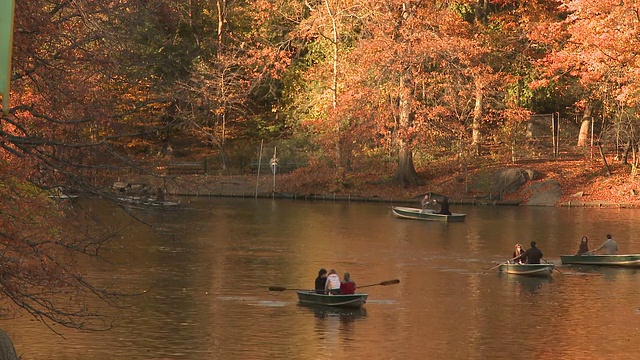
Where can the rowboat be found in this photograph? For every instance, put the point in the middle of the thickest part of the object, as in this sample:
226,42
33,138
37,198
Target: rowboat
147,203
352,301
63,197
629,260
425,214
541,270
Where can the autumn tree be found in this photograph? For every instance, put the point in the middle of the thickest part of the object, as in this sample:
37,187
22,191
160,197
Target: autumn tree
596,45
323,36
212,67
402,57
414,73
65,129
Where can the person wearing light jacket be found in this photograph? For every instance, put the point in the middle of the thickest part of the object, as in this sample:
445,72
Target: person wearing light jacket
332,286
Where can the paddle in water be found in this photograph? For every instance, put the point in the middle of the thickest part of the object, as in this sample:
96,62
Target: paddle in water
506,262
383,283
282,288
554,268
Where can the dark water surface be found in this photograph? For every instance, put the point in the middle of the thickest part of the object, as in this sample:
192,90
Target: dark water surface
208,271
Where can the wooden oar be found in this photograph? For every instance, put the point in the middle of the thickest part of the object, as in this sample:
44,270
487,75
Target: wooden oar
554,268
282,288
384,283
506,262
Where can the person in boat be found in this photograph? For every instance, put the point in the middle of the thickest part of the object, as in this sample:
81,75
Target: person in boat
444,205
441,200
533,254
519,255
332,285
610,246
347,285
160,195
584,246
321,280
426,201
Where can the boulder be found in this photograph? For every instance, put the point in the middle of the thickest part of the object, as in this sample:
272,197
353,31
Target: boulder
509,180
7,351
545,193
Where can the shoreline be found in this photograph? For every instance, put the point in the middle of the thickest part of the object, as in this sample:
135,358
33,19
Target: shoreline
391,200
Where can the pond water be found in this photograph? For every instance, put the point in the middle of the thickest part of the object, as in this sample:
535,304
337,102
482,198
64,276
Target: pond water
208,267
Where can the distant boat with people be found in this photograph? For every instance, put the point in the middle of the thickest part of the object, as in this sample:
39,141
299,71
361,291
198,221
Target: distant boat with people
622,260
425,214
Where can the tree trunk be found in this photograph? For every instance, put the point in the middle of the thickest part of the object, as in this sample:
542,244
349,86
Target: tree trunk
7,351
604,159
342,162
405,173
625,154
583,137
478,112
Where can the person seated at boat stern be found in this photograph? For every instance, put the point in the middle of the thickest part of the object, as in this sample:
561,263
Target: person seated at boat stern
444,205
584,246
441,200
519,256
321,281
533,254
347,285
332,285
610,246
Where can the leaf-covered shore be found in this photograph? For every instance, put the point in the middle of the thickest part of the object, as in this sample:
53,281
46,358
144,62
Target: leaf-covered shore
583,182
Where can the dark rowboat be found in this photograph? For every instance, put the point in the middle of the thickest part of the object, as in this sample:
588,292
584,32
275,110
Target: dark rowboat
147,203
426,214
541,270
629,260
353,301
64,197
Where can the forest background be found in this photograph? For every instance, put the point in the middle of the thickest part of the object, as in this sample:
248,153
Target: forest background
386,98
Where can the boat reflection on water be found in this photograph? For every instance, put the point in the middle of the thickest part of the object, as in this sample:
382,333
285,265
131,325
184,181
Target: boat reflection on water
344,314
335,323
531,284
610,273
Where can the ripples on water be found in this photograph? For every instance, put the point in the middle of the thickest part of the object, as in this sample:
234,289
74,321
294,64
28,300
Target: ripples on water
208,272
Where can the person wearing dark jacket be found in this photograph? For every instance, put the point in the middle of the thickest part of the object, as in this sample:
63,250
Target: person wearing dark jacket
321,281
533,254
584,247
444,206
